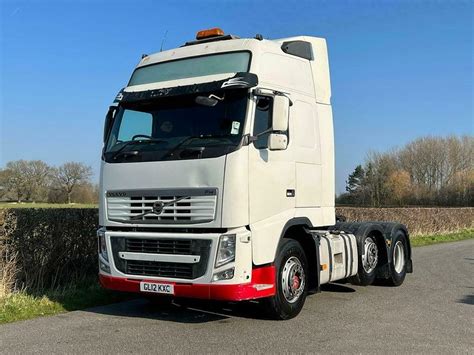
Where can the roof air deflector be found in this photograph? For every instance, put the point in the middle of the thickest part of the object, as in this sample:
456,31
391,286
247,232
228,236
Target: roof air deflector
300,49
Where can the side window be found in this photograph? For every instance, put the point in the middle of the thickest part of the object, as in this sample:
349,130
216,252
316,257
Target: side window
263,120
133,123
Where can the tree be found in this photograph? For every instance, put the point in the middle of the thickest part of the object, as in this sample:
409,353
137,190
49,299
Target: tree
86,193
355,187
428,171
25,179
38,178
70,175
355,180
14,179
399,184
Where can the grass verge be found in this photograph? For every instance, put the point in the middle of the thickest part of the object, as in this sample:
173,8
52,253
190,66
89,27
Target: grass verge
22,305
423,240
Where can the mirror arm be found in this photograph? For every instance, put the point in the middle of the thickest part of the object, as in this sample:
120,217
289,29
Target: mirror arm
281,93
212,96
248,138
261,92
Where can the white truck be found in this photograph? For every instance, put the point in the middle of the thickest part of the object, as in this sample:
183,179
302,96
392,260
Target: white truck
217,179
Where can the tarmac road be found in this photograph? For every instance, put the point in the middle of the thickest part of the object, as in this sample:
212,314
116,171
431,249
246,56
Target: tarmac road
432,312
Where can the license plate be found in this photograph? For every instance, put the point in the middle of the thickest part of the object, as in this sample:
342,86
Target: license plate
154,287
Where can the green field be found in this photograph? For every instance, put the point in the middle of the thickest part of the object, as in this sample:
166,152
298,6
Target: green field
46,205
423,240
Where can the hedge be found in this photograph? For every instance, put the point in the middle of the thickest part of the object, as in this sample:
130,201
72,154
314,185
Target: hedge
47,248
419,220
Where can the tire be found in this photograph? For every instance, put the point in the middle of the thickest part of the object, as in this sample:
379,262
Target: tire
290,264
367,263
398,259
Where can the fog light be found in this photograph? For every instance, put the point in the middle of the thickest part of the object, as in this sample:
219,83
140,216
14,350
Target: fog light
104,267
224,275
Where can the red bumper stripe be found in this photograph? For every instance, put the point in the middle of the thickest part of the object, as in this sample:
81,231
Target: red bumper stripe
239,292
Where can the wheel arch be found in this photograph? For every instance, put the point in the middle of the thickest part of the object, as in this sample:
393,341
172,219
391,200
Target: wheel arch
297,229
390,230
374,229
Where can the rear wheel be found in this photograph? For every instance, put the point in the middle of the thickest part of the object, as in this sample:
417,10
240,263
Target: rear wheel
367,262
291,281
398,258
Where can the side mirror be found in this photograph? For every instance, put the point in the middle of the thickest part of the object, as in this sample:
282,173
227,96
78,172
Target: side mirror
281,105
109,120
277,141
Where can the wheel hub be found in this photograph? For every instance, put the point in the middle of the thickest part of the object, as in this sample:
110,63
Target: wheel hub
296,282
293,279
370,256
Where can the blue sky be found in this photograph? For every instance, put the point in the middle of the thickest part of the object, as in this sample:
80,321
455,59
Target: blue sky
399,69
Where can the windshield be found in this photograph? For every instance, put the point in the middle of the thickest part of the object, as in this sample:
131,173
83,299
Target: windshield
177,128
192,67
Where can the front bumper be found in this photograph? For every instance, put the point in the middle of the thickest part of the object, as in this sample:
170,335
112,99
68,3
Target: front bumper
262,284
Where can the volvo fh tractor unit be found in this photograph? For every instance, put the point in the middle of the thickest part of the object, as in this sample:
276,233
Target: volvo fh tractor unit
217,179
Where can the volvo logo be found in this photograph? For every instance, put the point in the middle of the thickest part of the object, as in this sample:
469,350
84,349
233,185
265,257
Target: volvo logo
116,194
157,207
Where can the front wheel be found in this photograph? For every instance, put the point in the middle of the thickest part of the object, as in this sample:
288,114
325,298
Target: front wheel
291,281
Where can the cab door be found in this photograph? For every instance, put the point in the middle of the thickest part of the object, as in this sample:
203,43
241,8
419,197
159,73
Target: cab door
271,172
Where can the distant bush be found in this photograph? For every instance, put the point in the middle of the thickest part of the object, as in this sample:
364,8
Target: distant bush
47,248
419,220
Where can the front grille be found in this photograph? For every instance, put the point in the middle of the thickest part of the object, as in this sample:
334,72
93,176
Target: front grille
153,268
161,246
185,206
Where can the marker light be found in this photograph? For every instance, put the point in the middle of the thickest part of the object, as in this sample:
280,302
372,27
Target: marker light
212,32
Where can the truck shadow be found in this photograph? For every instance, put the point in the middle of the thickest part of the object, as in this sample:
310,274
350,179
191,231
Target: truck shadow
181,310
469,298
195,311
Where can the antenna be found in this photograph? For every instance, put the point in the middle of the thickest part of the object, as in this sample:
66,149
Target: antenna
163,41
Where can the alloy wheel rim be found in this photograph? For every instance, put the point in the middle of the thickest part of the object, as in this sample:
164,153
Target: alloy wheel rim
370,256
293,279
399,257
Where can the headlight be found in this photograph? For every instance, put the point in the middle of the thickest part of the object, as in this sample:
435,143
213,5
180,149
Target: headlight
102,243
225,250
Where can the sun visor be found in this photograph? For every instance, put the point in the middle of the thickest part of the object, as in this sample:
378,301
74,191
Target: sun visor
239,81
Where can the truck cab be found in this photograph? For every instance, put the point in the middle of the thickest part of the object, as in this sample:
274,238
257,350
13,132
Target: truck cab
217,175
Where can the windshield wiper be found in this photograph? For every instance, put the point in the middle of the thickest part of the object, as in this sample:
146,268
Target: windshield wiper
189,139
133,142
